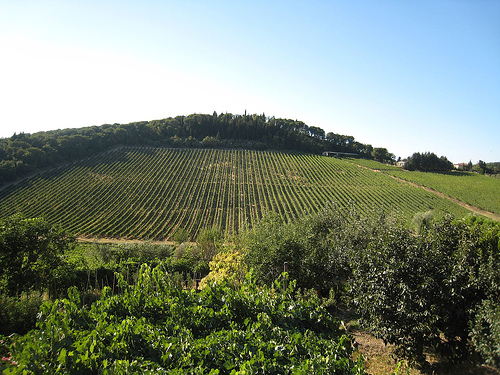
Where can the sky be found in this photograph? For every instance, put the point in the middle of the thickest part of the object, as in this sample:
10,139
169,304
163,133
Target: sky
409,76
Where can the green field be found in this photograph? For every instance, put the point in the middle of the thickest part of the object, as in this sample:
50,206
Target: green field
147,193
471,188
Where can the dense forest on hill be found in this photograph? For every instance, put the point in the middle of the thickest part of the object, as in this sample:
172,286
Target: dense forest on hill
23,154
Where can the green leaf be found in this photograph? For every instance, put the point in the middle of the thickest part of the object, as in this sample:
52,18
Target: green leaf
62,356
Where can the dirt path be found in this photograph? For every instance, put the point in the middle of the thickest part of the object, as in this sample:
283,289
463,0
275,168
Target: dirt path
476,210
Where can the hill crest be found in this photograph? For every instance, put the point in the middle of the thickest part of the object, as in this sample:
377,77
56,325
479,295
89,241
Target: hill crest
23,154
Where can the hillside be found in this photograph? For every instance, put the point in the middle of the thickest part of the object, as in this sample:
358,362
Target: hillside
148,192
479,191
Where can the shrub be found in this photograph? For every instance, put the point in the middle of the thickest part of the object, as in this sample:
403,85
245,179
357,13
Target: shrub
422,220
485,332
389,288
209,241
414,290
180,235
30,253
18,314
227,267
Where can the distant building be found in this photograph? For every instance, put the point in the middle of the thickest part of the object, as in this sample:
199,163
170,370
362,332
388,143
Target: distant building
460,166
401,163
338,154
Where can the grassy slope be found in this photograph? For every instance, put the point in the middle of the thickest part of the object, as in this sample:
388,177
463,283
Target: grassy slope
146,193
474,189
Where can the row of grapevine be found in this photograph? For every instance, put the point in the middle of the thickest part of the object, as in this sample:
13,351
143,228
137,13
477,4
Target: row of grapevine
147,193
469,187
472,188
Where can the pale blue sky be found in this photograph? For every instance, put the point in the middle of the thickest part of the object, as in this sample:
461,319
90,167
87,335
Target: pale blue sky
411,76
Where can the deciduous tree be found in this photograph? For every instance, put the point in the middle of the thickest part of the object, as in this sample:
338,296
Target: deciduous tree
30,253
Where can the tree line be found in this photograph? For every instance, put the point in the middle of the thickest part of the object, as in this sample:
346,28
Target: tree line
428,162
486,168
25,153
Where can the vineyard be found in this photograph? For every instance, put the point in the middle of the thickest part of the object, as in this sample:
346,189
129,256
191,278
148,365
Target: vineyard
472,188
468,187
148,193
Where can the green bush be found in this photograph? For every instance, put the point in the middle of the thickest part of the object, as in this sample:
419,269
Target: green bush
310,247
317,248
180,235
389,289
485,333
18,314
30,254
414,290
422,220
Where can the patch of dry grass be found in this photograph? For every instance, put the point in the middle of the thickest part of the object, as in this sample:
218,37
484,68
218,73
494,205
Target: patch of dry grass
380,359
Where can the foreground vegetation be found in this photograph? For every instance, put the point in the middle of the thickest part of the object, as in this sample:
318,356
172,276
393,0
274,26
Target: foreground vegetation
434,287
155,327
151,193
413,287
